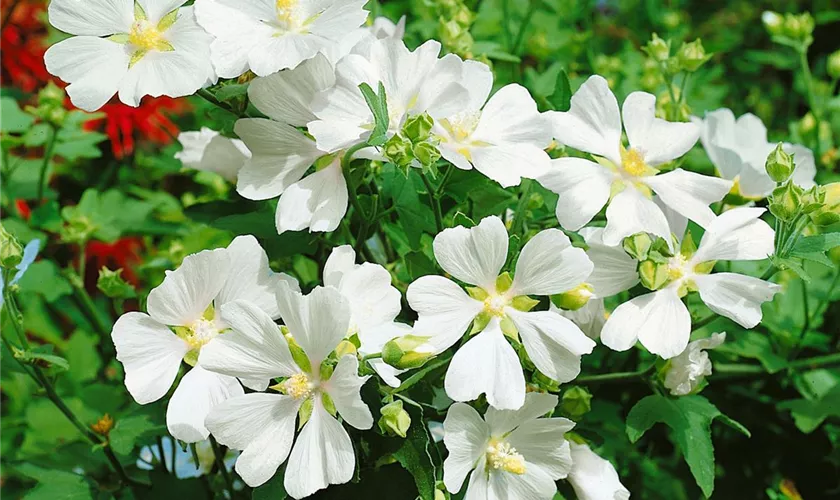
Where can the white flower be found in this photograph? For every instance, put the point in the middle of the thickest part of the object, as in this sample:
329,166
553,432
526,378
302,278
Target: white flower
282,154
511,453
739,149
589,318
623,177
688,370
268,36
263,424
594,478
212,152
151,47
415,82
383,27
503,138
374,305
183,319
487,363
660,320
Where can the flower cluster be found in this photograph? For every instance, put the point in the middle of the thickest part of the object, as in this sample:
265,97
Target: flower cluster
511,322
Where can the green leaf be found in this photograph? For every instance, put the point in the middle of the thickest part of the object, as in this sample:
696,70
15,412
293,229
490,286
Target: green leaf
414,216
55,484
818,243
44,278
83,357
273,489
33,357
13,118
127,431
76,144
228,92
818,257
561,99
754,345
414,455
809,414
379,107
460,219
690,419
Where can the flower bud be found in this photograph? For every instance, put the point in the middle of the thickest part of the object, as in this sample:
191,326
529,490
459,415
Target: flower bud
426,153
51,96
398,150
833,65
113,285
658,49
575,298
653,274
638,245
394,421
692,55
576,402
773,22
344,348
785,201
11,252
400,352
829,212
779,165
417,128
685,373
799,27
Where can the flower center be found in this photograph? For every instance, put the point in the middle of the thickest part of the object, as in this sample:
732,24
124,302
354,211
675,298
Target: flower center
201,332
298,386
462,125
495,305
676,267
286,14
146,36
503,456
633,162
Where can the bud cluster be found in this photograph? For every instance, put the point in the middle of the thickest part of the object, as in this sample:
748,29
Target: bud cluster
688,57
788,201
414,144
454,22
789,29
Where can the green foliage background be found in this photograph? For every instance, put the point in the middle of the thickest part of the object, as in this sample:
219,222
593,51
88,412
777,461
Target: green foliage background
791,411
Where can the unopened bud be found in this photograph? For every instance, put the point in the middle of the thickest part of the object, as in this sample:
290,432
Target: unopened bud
11,252
658,49
51,96
113,285
653,274
799,27
692,55
417,128
104,425
576,402
344,348
638,245
829,213
575,298
400,352
785,201
398,150
426,153
394,421
833,65
779,164
773,22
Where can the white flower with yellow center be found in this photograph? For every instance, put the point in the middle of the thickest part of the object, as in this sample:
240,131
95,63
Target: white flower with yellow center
511,453
594,478
266,37
210,151
739,150
497,307
625,178
263,424
660,320
504,137
183,320
147,47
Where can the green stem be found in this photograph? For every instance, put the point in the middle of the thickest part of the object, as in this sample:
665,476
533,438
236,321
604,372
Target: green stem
811,95
769,273
519,214
434,201
704,322
802,364
616,377
369,357
45,165
87,306
532,9
209,97
220,463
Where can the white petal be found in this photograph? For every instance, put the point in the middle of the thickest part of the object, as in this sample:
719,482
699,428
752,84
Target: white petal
255,349
507,164
593,123
317,202
736,296
543,444
594,478
536,405
511,117
589,318
553,343
250,277
718,135
187,291
323,455
342,260
614,271
583,187
373,339
263,425
92,66
92,17
286,96
658,140
689,193
475,255
373,300
805,167
280,156
444,310
548,264
487,364
737,234
343,387
659,320
535,483
479,485
197,394
629,213
150,353
676,221
465,436
318,321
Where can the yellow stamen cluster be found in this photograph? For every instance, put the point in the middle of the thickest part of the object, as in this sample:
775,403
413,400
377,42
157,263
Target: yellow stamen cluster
201,332
286,13
495,305
146,36
633,162
676,267
462,125
298,386
503,456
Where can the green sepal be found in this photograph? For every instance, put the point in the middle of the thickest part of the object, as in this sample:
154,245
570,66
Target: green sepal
503,282
477,293
524,303
304,412
480,322
688,247
168,20
509,329
121,38
139,13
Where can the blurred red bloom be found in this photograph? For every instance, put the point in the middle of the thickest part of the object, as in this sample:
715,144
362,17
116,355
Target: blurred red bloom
22,40
23,209
123,253
148,122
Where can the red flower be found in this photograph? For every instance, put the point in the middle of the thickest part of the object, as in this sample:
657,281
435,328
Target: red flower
23,209
148,121
123,253
22,39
